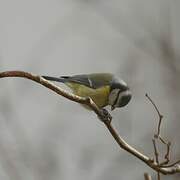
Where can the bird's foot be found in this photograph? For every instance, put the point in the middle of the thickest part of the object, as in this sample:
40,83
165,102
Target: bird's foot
105,116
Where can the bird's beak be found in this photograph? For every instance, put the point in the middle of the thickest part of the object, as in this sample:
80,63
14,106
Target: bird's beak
112,108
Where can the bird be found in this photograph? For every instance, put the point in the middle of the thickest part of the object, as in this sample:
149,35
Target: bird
103,88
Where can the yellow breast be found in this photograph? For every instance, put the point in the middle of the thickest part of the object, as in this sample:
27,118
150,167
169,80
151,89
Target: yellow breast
99,95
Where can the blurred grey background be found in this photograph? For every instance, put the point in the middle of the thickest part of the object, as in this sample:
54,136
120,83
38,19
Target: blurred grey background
44,136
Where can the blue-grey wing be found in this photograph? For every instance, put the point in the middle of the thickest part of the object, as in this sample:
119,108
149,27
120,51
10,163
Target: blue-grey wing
90,80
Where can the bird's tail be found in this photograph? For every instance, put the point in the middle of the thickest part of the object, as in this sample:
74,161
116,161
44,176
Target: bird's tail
57,79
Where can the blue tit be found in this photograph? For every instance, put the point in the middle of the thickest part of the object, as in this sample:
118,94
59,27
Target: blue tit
103,88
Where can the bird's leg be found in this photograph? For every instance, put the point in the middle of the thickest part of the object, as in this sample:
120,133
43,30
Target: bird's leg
105,116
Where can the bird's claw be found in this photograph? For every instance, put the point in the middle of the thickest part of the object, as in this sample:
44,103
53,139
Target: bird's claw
105,116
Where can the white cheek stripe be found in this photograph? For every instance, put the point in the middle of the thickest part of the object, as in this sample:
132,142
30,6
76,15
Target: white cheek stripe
117,98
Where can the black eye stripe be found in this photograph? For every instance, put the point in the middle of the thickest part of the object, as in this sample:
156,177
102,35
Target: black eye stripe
116,97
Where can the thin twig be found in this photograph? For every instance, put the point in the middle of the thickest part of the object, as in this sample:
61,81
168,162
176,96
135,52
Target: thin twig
156,156
167,155
156,151
121,142
158,135
159,114
147,176
171,165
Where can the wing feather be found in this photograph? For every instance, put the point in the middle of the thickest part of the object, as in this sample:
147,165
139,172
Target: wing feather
91,80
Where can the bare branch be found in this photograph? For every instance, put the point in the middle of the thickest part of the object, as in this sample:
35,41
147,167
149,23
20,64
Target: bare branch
167,155
158,176
156,156
157,136
173,164
156,151
159,114
106,120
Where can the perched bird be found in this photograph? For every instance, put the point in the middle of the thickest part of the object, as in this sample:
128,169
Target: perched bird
103,88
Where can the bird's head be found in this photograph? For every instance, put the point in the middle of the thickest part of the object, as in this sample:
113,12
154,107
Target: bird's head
120,95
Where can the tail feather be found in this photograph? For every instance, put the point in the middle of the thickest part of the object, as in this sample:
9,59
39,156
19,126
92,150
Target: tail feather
57,79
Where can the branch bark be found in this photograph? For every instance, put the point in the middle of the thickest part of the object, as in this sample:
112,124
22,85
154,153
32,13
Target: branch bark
107,121
147,176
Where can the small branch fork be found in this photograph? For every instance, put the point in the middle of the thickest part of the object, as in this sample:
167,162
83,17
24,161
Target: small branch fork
157,136
104,117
